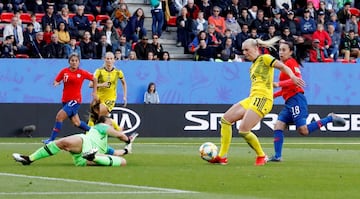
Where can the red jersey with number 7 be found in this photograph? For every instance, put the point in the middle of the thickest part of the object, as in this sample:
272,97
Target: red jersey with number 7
73,81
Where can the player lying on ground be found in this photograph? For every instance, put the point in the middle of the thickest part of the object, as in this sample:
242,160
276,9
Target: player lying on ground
86,149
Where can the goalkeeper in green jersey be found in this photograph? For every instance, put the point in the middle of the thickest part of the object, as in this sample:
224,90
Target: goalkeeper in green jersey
86,149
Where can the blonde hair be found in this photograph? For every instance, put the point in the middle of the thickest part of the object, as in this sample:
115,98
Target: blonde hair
260,43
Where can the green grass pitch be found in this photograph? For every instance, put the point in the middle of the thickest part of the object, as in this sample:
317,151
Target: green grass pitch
160,168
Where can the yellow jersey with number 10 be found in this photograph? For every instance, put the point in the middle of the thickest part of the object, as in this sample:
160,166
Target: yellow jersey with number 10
112,77
262,76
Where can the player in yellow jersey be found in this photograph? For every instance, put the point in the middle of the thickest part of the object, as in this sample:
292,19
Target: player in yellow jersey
107,77
259,103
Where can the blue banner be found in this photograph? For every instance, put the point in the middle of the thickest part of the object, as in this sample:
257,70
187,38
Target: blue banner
187,82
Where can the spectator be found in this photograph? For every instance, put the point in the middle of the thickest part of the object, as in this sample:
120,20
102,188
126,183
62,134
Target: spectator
135,28
49,18
62,33
37,26
157,47
242,36
214,38
47,34
132,55
200,24
151,96
165,56
72,48
6,5
352,24
124,46
94,7
158,19
316,53
277,21
253,10
87,47
235,8
81,22
253,34
29,35
226,51
232,24
325,10
69,23
333,50
142,48
268,10
54,49
323,37
280,4
287,36
344,13
350,46
194,45
193,9
94,32
245,18
19,6
184,28
260,23
37,49
118,55
151,56
336,23
112,36
310,6
218,21
16,30
7,48
103,47
121,16
206,7
321,18
307,26
39,6
204,53
291,24
179,4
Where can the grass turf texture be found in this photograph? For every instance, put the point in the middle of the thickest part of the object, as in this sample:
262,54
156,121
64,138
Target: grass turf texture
312,168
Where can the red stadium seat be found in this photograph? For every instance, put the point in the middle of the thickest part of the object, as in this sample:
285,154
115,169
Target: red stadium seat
355,11
39,16
25,18
22,56
172,21
71,15
6,17
102,18
328,60
90,17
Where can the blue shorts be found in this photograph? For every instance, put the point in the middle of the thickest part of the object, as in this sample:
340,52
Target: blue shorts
71,108
295,111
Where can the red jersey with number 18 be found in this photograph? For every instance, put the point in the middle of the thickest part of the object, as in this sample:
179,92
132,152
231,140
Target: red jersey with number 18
73,81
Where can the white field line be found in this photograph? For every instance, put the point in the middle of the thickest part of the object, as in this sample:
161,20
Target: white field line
152,189
85,193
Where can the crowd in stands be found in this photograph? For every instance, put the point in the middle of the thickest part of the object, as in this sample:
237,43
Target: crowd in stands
212,30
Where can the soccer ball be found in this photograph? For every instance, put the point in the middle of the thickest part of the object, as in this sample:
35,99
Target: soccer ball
208,151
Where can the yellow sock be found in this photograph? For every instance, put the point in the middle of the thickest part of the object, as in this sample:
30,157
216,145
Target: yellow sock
226,135
253,142
115,125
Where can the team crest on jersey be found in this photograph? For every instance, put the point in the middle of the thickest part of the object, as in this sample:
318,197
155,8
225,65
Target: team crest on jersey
78,75
297,69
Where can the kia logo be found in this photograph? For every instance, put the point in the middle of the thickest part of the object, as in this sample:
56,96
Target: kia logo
128,119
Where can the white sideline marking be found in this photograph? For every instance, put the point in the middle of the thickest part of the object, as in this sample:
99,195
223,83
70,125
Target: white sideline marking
155,189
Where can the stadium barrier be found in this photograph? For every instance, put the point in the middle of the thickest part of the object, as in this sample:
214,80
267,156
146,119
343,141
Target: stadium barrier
166,120
30,81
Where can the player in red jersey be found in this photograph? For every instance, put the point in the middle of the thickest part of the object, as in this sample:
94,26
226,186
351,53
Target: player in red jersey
73,78
295,110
